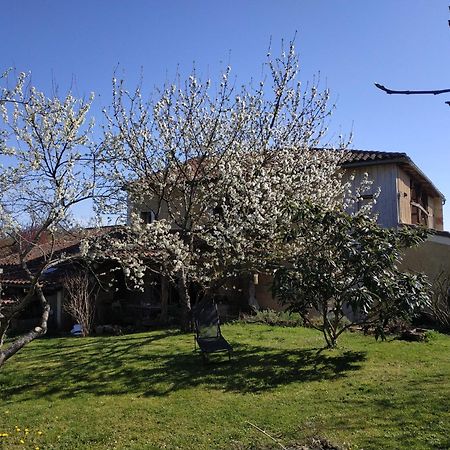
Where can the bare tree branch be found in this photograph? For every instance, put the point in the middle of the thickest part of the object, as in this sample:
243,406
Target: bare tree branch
432,92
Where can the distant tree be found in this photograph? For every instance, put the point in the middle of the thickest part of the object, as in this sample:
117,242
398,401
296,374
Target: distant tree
46,169
348,263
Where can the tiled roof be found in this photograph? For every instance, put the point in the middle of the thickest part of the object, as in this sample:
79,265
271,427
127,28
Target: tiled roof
366,156
7,301
360,158
63,244
68,243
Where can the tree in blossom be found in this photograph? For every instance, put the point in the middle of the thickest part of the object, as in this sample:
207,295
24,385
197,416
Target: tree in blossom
46,169
219,169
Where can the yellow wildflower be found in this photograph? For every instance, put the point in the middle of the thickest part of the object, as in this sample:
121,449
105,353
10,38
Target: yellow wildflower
22,441
26,430
39,433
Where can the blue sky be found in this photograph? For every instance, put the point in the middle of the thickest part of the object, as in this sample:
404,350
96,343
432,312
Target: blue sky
403,44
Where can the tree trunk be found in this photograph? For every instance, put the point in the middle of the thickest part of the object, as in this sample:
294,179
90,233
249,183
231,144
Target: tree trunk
185,302
37,331
252,302
330,338
164,299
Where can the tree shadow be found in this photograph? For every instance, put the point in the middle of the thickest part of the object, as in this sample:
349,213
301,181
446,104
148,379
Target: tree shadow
160,363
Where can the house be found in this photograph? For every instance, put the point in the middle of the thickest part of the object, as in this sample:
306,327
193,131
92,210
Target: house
14,282
114,303
407,196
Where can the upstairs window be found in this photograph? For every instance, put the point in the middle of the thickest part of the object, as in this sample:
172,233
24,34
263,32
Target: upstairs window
364,201
148,216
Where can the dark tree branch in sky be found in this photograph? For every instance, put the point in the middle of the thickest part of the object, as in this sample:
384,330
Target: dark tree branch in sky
431,92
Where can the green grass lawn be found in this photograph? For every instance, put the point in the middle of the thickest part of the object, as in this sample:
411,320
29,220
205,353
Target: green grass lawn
150,391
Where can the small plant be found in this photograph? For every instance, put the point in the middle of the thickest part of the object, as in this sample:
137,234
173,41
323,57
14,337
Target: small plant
81,293
431,336
271,317
439,308
21,437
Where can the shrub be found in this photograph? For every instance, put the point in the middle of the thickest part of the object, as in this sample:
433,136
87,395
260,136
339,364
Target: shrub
81,295
271,317
349,262
439,308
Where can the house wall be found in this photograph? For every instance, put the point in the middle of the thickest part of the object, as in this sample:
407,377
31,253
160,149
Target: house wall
431,257
393,205
383,176
147,205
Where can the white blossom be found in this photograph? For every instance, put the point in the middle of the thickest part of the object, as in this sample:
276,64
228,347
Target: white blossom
222,168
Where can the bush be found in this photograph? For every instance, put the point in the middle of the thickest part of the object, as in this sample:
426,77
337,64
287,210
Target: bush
349,262
271,317
439,309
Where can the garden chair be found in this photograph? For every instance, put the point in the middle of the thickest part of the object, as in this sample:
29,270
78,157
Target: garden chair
208,335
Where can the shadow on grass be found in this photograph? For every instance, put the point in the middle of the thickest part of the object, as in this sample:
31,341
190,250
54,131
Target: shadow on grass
160,363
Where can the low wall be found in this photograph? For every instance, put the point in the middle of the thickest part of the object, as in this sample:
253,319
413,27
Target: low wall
431,257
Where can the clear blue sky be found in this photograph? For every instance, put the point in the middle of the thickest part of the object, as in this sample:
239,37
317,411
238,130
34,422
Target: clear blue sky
353,43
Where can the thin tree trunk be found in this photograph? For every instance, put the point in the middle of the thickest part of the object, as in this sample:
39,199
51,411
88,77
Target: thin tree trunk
185,302
37,331
164,299
326,324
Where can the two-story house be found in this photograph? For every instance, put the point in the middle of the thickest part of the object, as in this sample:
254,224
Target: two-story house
407,195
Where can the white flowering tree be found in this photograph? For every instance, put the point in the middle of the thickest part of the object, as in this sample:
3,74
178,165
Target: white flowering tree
218,168
46,169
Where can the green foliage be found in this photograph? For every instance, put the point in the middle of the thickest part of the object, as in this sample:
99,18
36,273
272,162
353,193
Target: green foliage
271,317
431,336
348,264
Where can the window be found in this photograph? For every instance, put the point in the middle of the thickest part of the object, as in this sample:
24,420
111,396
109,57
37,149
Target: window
364,201
148,216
